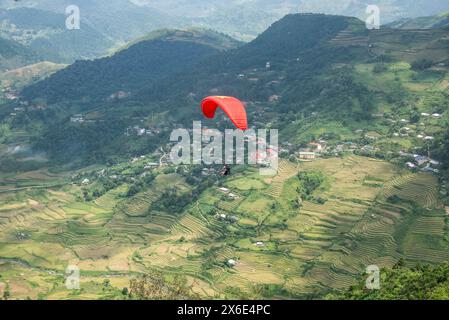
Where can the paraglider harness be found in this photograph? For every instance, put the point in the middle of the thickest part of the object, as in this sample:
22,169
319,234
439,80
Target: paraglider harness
226,171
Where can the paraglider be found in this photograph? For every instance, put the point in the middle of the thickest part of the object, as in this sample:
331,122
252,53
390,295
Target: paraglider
225,171
233,108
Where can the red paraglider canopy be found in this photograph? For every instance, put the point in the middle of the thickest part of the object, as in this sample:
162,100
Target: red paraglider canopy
233,107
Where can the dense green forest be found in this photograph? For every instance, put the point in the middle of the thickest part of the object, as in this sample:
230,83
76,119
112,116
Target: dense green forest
140,65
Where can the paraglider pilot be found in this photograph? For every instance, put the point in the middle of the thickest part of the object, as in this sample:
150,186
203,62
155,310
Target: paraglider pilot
226,171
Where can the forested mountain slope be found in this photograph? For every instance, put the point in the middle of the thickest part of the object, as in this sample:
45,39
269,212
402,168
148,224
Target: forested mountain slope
145,62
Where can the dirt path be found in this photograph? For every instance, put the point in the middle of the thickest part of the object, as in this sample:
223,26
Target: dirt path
33,188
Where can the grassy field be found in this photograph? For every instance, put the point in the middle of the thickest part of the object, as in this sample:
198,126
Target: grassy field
299,250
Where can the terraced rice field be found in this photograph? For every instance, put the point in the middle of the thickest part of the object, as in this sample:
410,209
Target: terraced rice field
348,38
191,227
421,188
306,249
286,170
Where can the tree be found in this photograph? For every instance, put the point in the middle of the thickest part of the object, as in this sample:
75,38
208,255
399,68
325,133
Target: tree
422,64
415,117
86,196
399,264
379,68
6,292
96,194
309,182
159,286
423,282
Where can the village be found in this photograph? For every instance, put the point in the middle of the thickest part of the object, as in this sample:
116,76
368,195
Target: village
365,142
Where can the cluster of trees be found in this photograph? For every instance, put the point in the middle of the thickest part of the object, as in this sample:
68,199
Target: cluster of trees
423,282
6,292
422,64
172,200
97,142
380,67
106,185
160,286
441,149
309,182
140,185
338,93
10,164
91,142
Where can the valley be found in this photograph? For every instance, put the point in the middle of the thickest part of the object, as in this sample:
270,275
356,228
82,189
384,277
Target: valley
85,178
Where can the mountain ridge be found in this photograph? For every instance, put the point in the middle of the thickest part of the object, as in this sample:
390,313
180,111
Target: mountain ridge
140,63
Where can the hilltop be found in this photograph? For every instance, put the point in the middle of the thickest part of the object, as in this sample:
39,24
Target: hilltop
207,37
